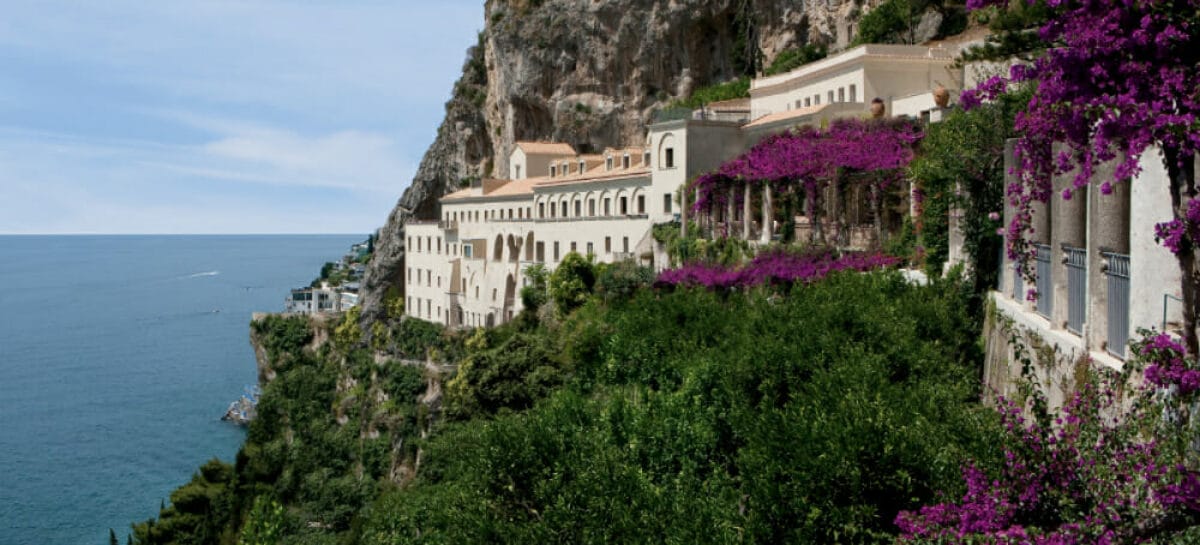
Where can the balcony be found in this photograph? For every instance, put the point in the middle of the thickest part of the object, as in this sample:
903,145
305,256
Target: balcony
1116,269
448,225
1076,261
1045,289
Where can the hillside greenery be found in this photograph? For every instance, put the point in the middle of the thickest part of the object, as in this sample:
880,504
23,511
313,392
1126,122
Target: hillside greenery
806,414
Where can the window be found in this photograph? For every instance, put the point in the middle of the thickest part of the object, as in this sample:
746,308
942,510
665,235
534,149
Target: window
625,161
831,96
624,205
590,249
553,170
625,244
607,207
816,100
591,207
841,94
641,204
541,210
518,172
467,251
807,102
493,294
439,246
646,158
439,281
798,104
608,163
578,208
564,209
428,278
556,250
670,157
608,245
853,93
573,246
666,203
582,166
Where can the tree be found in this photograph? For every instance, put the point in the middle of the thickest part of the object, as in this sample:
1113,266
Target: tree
572,282
112,537
1118,78
961,164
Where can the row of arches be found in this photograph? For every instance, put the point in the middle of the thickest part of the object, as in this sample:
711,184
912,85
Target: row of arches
603,203
513,247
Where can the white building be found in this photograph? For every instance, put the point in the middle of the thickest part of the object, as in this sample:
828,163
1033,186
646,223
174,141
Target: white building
1100,276
466,268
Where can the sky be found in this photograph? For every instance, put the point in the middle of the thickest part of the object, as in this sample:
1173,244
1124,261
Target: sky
148,117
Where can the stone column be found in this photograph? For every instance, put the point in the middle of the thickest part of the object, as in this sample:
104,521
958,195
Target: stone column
729,213
683,213
767,214
1069,220
1008,273
746,212
1108,231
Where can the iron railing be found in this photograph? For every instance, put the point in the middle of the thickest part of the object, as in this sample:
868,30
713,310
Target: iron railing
1117,271
1076,261
1045,289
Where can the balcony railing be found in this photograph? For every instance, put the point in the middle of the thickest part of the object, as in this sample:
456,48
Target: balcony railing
1076,261
448,225
1045,290
1117,271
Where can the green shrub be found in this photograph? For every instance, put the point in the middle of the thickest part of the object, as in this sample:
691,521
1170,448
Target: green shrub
793,58
571,283
621,280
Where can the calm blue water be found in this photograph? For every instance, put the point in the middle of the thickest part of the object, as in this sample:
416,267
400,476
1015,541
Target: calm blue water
115,368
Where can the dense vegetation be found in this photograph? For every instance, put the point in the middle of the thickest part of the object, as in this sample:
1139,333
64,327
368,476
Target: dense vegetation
814,413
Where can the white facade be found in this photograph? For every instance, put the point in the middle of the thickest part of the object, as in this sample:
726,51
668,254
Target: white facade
903,76
466,269
1105,276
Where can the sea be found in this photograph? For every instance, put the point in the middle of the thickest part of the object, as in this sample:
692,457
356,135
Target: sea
118,356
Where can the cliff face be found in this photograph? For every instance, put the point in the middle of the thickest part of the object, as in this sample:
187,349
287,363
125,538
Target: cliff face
590,73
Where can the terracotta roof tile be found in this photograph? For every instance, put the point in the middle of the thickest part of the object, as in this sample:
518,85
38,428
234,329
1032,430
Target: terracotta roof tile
546,148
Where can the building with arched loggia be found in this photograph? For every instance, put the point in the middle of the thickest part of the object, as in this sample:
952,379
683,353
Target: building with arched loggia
466,268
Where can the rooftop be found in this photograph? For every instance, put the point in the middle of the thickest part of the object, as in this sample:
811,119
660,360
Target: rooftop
546,148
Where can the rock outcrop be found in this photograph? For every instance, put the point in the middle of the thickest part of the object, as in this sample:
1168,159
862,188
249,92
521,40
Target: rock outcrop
590,73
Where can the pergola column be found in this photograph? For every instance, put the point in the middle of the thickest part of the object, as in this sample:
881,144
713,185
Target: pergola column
767,214
746,212
729,212
683,213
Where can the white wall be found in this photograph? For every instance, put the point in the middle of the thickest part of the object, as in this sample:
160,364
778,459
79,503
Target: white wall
1154,271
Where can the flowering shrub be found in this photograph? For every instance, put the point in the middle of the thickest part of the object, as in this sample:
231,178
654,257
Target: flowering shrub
1115,78
775,268
1092,475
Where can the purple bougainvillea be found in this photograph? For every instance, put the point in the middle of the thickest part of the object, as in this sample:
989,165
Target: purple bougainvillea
1105,471
772,268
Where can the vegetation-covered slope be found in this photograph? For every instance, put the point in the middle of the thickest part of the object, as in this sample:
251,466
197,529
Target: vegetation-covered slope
684,417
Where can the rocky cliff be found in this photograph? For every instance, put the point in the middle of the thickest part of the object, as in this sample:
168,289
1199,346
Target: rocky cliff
591,73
